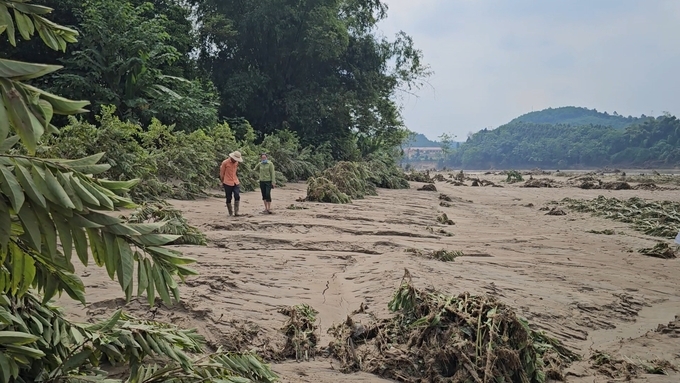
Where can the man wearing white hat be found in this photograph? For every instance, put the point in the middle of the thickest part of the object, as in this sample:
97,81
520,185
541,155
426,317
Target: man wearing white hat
230,181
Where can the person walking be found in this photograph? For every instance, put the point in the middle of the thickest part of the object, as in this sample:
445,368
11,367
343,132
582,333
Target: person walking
267,174
230,181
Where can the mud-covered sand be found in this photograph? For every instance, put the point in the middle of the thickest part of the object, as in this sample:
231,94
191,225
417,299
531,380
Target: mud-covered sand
593,292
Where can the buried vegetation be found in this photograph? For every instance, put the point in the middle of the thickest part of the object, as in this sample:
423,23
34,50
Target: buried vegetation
436,337
655,218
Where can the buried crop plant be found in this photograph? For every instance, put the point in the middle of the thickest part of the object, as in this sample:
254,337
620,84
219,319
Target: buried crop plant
434,337
659,219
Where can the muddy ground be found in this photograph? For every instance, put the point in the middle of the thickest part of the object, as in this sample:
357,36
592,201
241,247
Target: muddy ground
592,291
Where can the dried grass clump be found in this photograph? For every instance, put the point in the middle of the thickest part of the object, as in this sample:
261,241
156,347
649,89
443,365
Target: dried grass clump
321,189
444,197
656,218
434,337
351,178
300,331
660,250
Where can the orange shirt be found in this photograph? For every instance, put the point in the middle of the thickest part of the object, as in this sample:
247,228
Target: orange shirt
228,172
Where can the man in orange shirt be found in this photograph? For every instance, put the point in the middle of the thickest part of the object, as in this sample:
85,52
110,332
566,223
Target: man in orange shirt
230,181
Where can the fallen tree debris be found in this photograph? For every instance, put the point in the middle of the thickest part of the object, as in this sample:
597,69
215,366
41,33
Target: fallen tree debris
656,218
444,220
300,331
660,250
434,337
427,187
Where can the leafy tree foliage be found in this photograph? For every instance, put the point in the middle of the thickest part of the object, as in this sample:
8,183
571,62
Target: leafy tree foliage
314,67
123,60
53,210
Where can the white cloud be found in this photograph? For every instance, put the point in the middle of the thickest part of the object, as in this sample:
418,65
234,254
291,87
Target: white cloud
497,59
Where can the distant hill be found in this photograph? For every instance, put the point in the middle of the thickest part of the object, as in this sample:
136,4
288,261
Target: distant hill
576,116
422,142
648,142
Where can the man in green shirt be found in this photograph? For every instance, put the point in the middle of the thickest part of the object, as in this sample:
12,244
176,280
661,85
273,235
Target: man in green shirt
267,175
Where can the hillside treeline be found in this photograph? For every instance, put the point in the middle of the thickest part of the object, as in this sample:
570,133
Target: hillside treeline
652,142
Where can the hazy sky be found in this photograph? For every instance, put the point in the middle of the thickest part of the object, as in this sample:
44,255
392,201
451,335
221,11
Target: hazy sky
497,59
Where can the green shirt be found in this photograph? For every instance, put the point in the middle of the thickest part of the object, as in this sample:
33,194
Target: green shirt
266,171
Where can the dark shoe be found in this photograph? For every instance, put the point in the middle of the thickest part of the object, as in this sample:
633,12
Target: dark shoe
230,210
236,203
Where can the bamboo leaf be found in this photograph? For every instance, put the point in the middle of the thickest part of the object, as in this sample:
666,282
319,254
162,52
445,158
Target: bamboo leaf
31,226
6,19
64,181
103,199
161,287
26,181
74,287
97,247
5,226
17,267
28,274
4,368
156,239
60,105
24,25
11,188
142,276
47,228
111,256
65,238
26,126
80,242
151,292
8,142
85,195
5,143
127,262
57,190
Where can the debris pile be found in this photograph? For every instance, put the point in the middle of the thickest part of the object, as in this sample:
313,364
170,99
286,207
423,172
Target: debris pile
434,337
444,220
541,183
427,187
419,176
351,178
300,331
627,369
660,250
556,211
321,189
440,255
656,218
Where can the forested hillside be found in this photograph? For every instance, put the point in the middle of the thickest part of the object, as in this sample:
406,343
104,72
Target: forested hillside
421,141
654,142
575,116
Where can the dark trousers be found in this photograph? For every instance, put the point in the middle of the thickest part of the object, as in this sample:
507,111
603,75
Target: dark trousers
266,189
235,190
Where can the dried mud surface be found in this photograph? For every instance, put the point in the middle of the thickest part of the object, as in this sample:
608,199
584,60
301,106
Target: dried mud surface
589,290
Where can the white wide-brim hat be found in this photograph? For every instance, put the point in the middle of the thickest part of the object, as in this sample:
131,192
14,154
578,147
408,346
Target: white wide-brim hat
236,156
